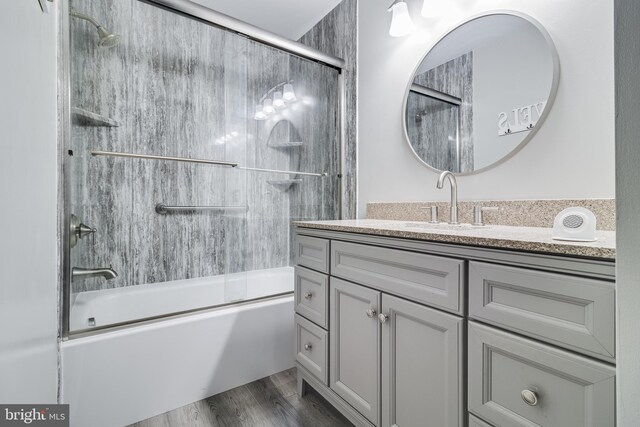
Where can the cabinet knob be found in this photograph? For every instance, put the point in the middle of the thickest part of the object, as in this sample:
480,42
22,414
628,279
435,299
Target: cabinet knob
308,295
308,347
529,397
383,318
371,313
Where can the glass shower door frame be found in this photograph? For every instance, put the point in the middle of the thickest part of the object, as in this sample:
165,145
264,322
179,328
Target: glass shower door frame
208,16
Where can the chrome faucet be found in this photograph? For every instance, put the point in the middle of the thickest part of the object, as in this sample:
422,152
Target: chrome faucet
454,194
85,273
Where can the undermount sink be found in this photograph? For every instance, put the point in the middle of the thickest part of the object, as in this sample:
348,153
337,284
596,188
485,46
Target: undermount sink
442,226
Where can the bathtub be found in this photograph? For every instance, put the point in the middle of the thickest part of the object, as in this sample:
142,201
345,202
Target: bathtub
121,376
112,306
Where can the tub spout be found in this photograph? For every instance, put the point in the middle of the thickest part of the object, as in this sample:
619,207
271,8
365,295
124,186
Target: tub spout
83,273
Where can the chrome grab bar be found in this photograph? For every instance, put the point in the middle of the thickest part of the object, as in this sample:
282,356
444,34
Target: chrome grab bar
201,161
321,175
167,158
163,209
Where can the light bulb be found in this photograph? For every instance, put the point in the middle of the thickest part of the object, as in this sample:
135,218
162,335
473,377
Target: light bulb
260,115
267,106
401,23
278,102
288,94
433,8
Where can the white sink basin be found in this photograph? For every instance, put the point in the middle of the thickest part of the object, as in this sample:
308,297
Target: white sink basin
442,226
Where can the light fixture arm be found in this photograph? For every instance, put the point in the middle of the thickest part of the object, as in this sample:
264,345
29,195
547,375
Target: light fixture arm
273,89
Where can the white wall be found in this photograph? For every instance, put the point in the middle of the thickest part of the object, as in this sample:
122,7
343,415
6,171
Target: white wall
572,155
28,163
628,210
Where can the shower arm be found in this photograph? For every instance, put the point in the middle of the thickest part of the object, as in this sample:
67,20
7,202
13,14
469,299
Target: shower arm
75,14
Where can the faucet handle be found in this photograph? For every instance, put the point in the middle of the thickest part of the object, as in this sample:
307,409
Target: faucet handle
479,210
434,214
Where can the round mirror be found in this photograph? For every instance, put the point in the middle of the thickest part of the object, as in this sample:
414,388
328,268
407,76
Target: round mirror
480,94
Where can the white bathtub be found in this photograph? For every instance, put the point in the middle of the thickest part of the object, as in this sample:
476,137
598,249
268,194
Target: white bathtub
119,377
112,306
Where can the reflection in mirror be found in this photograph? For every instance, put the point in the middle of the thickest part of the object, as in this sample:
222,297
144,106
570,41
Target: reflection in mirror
481,93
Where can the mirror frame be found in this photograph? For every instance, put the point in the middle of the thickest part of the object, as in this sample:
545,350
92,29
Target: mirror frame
550,100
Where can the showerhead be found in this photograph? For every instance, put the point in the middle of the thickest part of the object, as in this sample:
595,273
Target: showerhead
106,39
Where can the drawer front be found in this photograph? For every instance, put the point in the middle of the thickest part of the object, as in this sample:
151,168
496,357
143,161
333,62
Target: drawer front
311,295
312,252
433,280
571,312
477,422
312,349
562,389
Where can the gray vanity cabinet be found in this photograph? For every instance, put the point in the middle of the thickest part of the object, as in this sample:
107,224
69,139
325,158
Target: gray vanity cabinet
354,346
421,358
422,365
515,381
400,333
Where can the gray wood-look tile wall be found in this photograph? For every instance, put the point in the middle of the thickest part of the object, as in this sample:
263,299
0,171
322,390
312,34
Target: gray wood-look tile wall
177,86
337,34
431,124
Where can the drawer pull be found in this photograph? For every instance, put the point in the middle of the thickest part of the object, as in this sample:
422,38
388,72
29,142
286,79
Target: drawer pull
308,347
371,313
383,318
308,295
529,397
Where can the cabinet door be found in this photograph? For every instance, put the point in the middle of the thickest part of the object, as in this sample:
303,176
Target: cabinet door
422,366
355,346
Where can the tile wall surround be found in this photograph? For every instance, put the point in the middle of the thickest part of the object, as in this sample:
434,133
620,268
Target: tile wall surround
429,121
175,92
523,213
337,34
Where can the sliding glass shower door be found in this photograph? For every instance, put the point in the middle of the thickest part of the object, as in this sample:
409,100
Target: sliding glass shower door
156,231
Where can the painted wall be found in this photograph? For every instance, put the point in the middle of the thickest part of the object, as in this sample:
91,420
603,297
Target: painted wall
628,206
572,155
28,248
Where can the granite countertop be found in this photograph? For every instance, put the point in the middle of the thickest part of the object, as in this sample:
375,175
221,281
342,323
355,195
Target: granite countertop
529,239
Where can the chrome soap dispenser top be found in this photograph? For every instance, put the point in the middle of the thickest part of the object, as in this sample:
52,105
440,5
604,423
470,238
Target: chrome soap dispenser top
454,194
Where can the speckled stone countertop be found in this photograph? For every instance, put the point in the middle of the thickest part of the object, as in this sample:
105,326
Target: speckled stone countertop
529,239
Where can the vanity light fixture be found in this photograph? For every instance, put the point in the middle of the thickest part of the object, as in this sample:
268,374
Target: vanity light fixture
278,102
401,23
274,99
288,94
267,106
260,114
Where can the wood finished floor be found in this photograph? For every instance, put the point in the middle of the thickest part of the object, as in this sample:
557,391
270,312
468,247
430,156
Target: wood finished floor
269,402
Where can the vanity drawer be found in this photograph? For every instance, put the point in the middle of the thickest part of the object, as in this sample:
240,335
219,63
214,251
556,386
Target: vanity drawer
563,389
311,295
312,349
571,312
477,422
312,252
433,280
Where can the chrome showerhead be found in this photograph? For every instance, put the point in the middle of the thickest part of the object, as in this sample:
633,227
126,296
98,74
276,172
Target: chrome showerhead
106,39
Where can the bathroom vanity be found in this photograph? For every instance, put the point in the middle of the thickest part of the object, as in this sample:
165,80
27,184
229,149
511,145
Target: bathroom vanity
402,324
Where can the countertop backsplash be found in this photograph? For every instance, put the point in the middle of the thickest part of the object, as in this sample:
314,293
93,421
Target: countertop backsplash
524,213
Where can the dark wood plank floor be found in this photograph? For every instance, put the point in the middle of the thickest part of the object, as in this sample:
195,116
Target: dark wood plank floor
269,402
